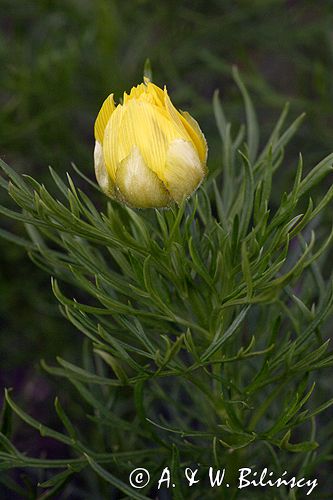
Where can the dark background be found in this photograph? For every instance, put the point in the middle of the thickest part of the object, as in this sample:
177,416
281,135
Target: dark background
59,60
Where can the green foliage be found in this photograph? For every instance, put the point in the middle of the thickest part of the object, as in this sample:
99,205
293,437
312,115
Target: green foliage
205,323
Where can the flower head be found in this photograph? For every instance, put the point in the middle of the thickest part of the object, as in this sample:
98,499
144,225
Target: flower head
148,154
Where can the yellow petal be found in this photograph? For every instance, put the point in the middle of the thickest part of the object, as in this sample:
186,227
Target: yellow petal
102,176
144,126
139,186
196,135
111,141
103,117
156,92
188,127
175,117
135,93
147,92
183,170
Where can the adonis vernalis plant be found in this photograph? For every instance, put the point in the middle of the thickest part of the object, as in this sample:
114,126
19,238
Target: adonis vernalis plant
205,324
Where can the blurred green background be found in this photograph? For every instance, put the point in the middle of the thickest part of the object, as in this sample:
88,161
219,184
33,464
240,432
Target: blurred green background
59,60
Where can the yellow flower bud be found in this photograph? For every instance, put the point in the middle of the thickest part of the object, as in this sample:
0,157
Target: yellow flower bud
148,154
